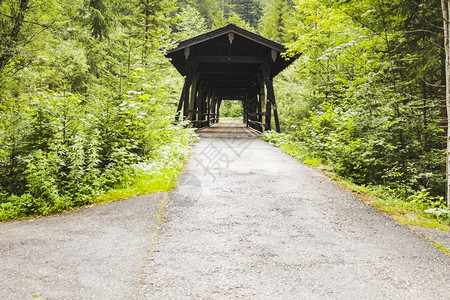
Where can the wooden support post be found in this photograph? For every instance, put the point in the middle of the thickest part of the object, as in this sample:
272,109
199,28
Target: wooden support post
244,107
268,113
271,98
212,109
196,109
255,109
200,105
181,102
219,102
203,96
251,104
189,86
208,108
268,81
193,96
261,104
186,88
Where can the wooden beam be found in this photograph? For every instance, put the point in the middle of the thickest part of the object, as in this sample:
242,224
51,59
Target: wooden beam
231,37
187,86
225,30
258,123
227,59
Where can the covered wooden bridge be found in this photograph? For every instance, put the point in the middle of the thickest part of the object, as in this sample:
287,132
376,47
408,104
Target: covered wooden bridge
229,63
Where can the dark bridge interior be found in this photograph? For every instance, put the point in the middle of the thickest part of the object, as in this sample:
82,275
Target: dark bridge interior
229,63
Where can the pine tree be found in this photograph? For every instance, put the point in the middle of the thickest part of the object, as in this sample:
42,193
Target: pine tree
275,21
249,10
153,17
99,19
219,20
192,23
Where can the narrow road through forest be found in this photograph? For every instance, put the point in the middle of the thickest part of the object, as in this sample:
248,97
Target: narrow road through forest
246,221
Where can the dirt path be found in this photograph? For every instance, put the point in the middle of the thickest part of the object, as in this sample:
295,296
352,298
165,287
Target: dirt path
247,221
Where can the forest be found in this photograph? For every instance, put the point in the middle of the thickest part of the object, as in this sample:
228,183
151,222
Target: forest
87,97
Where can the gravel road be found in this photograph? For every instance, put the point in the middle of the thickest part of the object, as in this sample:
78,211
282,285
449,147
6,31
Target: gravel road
95,253
246,221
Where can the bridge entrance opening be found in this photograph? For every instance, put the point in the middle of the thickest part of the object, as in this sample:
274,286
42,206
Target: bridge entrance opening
229,63
232,109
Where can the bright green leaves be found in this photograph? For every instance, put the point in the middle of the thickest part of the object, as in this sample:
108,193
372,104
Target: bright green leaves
85,101
366,74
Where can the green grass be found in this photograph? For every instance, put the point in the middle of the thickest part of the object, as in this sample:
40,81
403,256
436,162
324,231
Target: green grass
142,185
440,246
164,181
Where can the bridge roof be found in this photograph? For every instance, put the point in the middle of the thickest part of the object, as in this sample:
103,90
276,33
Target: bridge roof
229,59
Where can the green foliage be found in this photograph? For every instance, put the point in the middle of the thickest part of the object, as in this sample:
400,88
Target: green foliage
367,99
207,8
244,13
249,10
86,109
98,19
191,24
231,109
220,21
276,21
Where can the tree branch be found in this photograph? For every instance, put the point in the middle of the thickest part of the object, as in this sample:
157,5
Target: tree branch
24,21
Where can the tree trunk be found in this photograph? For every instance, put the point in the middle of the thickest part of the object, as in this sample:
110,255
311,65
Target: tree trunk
445,14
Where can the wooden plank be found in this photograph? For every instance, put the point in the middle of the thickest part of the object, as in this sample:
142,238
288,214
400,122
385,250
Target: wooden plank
257,123
193,95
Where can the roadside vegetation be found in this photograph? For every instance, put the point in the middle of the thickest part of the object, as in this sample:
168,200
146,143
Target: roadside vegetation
367,99
416,209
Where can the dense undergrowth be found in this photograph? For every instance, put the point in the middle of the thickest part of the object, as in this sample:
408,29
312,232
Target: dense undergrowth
87,101
69,176
396,201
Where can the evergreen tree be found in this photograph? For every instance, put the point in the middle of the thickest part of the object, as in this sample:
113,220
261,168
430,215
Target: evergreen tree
191,24
154,16
99,19
249,10
207,8
276,20
219,20
238,21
